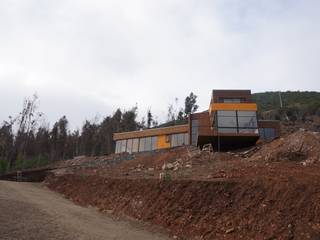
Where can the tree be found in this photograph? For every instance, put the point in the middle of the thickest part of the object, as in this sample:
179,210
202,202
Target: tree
27,120
190,104
58,138
149,118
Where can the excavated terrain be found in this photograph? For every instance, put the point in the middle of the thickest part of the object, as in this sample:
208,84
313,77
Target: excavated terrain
271,191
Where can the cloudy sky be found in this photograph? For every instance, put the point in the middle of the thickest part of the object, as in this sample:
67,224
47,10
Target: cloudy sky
86,58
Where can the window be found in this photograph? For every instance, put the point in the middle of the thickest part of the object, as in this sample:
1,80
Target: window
123,145
247,119
118,146
186,139
194,132
231,100
154,141
147,146
135,145
227,119
267,133
226,113
236,122
129,145
174,140
180,139
141,144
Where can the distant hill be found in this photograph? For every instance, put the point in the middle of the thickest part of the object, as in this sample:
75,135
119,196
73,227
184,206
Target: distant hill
296,104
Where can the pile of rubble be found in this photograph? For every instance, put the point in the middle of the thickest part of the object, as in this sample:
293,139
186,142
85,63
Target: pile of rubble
301,146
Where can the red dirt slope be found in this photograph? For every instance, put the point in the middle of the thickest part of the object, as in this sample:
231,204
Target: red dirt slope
260,208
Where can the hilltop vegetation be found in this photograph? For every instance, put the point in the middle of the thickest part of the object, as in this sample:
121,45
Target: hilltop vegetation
296,105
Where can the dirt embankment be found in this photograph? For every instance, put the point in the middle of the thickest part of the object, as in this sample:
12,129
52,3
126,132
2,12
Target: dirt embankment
261,208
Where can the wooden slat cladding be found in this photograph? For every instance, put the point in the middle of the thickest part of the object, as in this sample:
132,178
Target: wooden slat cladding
204,128
152,132
244,95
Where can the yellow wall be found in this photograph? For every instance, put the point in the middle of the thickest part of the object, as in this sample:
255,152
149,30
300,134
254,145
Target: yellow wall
233,106
162,142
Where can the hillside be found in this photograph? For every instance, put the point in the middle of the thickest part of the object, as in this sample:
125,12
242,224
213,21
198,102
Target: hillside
296,104
270,100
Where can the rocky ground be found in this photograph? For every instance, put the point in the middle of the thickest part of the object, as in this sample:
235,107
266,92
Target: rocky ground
271,191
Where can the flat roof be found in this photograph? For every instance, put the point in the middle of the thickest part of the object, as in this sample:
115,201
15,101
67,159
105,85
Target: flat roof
152,132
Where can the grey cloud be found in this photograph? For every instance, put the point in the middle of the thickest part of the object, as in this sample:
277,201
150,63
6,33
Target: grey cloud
108,54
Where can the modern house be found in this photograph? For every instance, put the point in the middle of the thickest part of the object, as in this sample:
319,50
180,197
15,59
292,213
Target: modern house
230,122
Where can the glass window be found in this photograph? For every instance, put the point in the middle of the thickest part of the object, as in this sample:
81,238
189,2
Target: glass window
231,100
147,146
118,146
194,132
141,144
186,139
247,122
227,113
123,145
174,140
227,130
129,145
180,139
247,114
227,121
154,141
267,133
135,145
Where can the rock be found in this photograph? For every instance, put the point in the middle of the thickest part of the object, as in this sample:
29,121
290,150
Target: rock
168,166
150,169
188,166
230,230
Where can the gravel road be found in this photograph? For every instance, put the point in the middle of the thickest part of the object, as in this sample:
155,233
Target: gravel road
31,211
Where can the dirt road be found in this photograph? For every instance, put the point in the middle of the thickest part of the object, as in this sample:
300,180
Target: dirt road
30,211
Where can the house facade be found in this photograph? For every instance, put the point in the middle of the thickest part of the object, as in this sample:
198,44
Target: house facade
230,122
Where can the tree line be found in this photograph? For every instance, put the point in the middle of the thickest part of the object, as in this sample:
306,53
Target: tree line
27,140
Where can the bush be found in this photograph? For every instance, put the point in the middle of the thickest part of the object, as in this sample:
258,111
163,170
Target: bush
3,166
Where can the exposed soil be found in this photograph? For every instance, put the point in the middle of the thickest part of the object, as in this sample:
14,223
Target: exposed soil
271,191
261,208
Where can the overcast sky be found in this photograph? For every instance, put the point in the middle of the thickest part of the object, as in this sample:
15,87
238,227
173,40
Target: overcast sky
87,58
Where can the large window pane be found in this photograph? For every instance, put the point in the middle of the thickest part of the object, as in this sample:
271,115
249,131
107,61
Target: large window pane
118,146
247,122
247,114
180,139
231,100
227,113
135,145
123,145
174,140
227,121
129,145
147,146
141,144
154,141
186,139
194,132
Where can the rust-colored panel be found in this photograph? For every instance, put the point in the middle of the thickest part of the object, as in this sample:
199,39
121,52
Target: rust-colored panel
244,95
